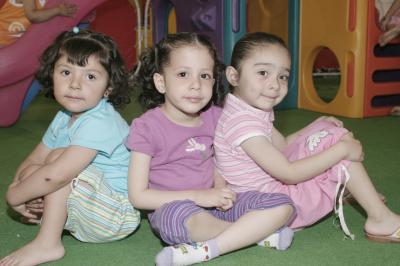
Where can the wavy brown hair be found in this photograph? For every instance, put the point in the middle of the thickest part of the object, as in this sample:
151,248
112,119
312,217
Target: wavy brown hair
155,59
78,47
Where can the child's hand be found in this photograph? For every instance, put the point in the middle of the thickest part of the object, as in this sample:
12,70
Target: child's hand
226,207
354,148
221,198
331,119
28,213
384,23
28,216
35,206
67,9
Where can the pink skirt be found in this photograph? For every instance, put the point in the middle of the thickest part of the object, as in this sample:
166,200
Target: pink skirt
315,197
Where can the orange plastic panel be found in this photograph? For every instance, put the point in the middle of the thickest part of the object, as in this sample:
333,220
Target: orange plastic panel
374,89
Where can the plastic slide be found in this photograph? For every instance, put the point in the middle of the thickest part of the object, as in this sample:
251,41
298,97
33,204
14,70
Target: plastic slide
19,61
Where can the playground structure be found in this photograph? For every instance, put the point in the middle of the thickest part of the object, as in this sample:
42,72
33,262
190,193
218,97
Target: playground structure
349,29
369,83
222,21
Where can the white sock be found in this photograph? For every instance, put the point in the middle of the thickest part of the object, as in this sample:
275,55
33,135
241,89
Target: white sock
187,254
281,240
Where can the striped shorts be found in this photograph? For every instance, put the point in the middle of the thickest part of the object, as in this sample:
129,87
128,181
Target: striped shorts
96,213
169,221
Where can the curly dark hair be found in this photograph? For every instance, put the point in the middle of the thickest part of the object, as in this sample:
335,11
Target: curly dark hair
155,59
78,47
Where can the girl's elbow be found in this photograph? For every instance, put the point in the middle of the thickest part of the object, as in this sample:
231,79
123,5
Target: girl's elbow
135,201
132,199
287,181
290,182
288,178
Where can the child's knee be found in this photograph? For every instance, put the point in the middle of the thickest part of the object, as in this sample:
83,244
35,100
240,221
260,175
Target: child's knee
347,136
284,214
195,220
260,200
170,221
287,211
282,203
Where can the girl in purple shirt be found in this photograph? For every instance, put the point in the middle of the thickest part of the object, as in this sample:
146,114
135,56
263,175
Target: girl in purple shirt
172,170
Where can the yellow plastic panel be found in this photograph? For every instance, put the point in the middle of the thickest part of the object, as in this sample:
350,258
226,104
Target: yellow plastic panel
172,21
339,25
268,16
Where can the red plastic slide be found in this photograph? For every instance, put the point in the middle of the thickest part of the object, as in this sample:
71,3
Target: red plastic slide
19,61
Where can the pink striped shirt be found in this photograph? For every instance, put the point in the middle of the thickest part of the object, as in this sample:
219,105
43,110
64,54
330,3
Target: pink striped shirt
239,122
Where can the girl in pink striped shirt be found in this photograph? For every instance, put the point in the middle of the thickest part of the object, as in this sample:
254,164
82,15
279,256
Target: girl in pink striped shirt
312,166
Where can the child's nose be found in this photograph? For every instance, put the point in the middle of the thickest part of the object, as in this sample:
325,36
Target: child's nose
75,83
196,83
274,83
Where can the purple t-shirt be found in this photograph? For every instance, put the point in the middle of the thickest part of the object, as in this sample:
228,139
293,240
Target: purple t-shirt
182,157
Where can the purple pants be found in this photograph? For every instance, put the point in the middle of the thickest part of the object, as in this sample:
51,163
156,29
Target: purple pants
169,221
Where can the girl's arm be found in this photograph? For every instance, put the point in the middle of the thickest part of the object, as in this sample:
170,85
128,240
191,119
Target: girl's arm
219,181
53,175
276,164
143,197
34,161
41,15
36,158
391,11
281,142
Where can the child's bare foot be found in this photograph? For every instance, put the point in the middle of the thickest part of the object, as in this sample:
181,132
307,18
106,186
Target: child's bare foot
395,111
34,253
389,35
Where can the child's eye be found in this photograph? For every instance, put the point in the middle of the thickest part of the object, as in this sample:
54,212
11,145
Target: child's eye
284,77
206,76
182,74
263,73
65,72
91,76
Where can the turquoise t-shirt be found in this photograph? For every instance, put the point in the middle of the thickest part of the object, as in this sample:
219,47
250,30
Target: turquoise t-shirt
101,128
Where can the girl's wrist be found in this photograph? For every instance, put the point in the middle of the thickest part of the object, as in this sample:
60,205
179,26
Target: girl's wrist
196,196
342,147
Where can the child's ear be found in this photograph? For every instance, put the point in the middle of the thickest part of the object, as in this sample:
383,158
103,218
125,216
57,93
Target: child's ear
232,76
159,82
107,92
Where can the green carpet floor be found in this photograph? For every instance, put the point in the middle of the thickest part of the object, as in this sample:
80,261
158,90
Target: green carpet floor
322,244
